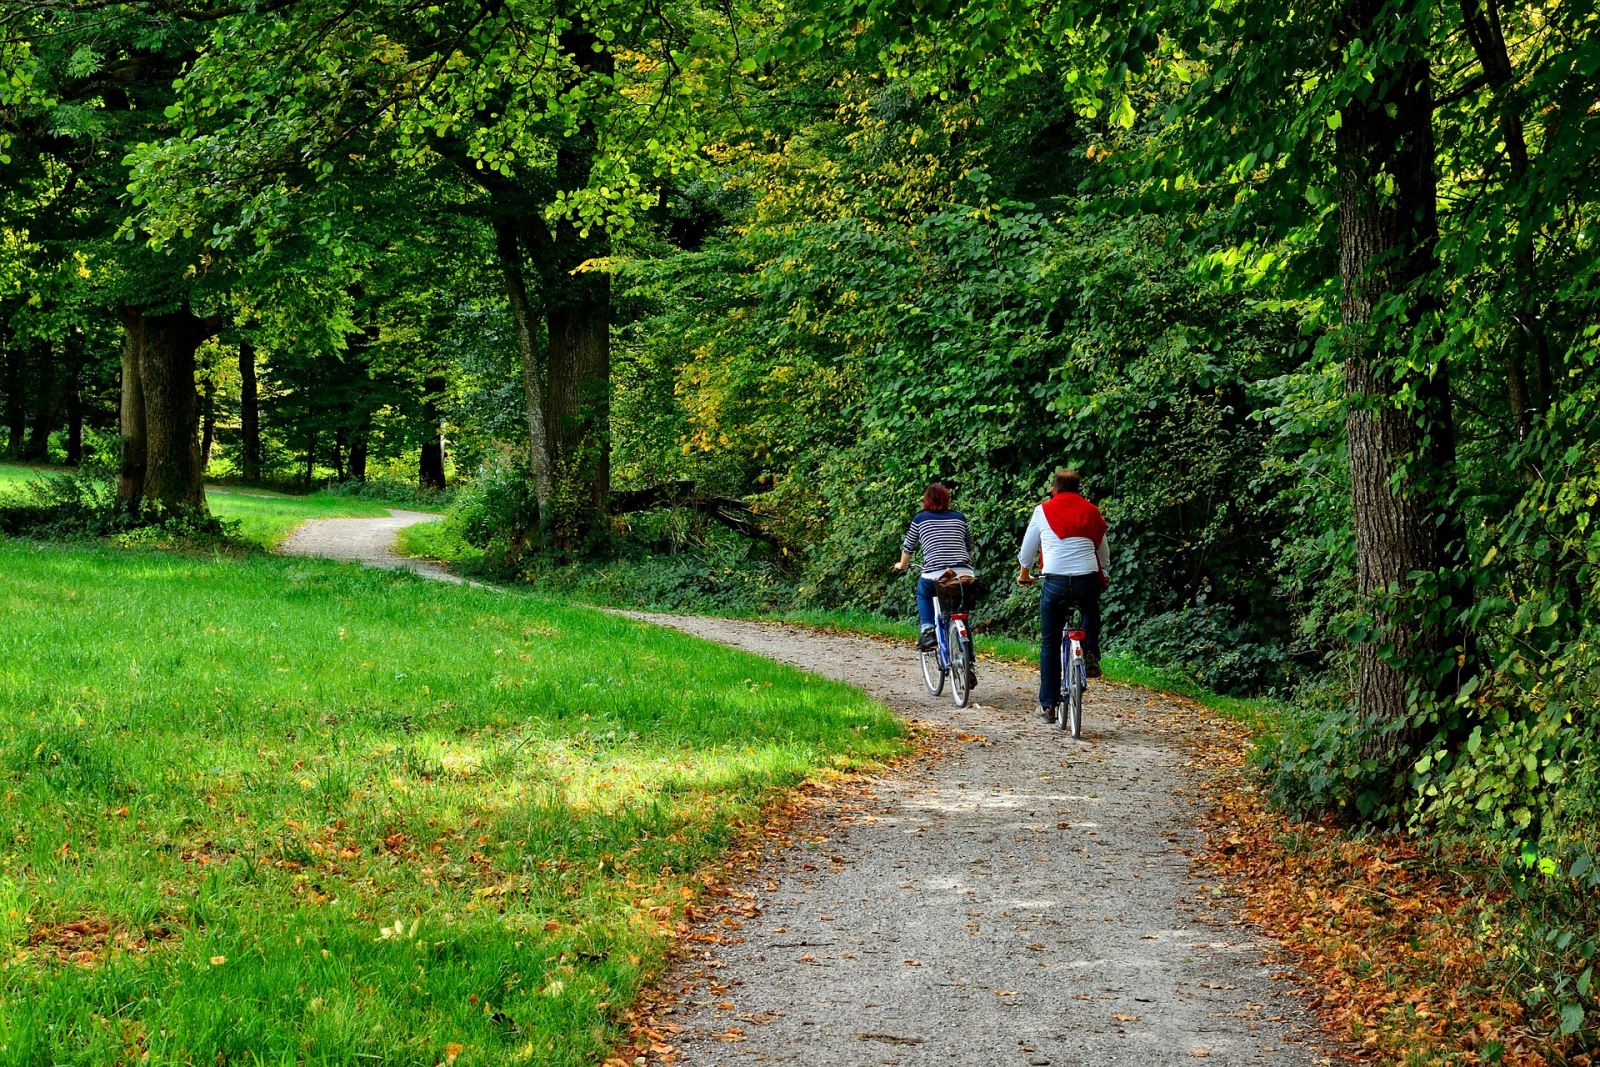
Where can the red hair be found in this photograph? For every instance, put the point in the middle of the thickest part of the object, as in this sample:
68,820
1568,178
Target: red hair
936,497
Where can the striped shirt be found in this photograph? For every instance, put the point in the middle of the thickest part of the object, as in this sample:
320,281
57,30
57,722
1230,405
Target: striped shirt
945,540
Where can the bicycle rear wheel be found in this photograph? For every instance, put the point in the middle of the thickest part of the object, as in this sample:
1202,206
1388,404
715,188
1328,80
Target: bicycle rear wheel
960,666
1073,719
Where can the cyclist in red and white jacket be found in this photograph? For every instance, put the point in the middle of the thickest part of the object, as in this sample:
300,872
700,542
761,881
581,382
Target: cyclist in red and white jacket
1067,535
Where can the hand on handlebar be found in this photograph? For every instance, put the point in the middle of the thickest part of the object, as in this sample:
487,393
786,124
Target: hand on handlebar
1024,578
899,568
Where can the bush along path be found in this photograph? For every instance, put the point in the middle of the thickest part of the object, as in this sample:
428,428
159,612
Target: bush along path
1014,897
1017,897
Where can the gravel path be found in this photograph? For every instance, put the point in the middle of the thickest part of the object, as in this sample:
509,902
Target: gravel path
1015,898
1020,899
369,541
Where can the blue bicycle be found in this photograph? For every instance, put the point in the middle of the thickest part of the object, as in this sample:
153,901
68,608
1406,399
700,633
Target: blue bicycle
952,656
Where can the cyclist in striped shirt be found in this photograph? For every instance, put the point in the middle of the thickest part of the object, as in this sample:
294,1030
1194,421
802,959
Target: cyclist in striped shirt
945,540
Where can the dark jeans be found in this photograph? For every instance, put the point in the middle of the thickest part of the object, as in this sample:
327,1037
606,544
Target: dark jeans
1057,602
926,591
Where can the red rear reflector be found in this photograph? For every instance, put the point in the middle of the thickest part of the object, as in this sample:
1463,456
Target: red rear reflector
1077,635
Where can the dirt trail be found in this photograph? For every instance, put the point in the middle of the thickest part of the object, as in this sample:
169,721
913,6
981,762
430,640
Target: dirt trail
1023,899
369,541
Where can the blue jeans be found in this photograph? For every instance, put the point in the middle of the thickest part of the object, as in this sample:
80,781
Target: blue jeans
1057,601
926,591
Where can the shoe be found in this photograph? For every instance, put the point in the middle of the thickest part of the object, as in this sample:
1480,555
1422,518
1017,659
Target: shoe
1047,714
972,680
927,642
1091,666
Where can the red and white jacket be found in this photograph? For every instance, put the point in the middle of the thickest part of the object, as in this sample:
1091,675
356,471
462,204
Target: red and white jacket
1070,534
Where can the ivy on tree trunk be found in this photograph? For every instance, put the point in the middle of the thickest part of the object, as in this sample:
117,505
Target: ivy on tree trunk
1399,424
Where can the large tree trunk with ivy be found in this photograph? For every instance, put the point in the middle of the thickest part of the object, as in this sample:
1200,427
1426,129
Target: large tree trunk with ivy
578,405
509,235
161,409
1399,423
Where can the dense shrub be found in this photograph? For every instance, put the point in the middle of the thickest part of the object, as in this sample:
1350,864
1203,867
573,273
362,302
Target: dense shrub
496,511
84,504
1210,645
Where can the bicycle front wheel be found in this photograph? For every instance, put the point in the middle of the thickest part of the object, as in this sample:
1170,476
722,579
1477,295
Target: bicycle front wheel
960,666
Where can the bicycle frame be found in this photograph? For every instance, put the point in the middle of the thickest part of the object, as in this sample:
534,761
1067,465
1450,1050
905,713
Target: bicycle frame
1072,656
941,630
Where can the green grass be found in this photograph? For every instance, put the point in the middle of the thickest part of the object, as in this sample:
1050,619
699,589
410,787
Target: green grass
16,475
437,540
265,810
265,517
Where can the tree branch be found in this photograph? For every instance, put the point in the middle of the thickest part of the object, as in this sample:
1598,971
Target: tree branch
736,515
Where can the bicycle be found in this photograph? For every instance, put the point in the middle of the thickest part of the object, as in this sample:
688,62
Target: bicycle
1074,679
952,655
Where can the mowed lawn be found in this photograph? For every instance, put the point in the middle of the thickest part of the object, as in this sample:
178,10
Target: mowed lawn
264,517
272,810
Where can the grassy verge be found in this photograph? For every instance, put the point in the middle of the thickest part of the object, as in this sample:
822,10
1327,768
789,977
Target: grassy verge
16,475
437,540
265,517
270,810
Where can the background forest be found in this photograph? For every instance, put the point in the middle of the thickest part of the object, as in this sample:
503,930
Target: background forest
685,303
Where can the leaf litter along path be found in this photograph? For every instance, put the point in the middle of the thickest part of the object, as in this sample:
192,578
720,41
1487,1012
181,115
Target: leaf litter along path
1016,898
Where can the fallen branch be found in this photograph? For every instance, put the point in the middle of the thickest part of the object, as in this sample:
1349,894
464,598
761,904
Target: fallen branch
735,514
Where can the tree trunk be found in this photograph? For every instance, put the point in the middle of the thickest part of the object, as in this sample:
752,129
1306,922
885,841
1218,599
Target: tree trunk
311,458
578,404
130,478
16,399
75,414
249,414
44,404
338,454
358,454
208,422
1481,20
160,409
1399,424
173,476
509,248
430,473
